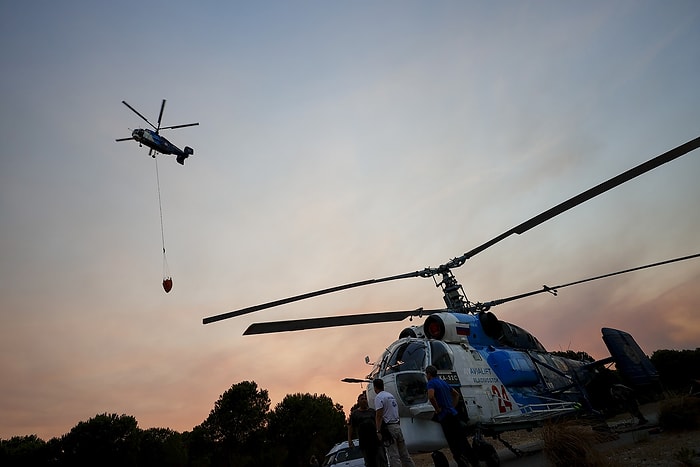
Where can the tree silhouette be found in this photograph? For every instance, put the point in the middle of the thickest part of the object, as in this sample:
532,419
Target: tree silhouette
306,424
678,369
107,440
581,356
236,424
162,446
23,450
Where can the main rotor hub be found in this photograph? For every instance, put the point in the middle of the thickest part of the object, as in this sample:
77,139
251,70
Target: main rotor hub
453,293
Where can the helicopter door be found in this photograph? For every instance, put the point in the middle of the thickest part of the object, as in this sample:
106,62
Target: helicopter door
478,383
441,358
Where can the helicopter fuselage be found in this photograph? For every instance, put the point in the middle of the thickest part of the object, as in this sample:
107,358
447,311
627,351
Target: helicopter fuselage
159,143
507,380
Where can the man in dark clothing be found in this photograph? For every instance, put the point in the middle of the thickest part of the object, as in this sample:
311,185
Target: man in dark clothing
444,398
361,424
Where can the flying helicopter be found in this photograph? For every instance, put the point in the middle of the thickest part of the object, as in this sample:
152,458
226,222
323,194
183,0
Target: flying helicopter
506,378
156,142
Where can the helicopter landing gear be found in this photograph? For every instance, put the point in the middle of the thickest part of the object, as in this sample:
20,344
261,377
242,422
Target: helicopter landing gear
439,459
518,453
486,452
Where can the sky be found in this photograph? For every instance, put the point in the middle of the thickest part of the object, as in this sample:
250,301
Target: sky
338,142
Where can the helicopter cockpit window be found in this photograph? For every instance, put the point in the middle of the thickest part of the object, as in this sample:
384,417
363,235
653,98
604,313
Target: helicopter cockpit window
412,388
406,357
376,367
440,356
519,338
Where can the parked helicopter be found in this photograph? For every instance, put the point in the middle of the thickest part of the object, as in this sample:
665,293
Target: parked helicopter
158,143
506,378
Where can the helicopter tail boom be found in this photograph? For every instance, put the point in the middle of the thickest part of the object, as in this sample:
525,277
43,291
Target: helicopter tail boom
630,360
188,151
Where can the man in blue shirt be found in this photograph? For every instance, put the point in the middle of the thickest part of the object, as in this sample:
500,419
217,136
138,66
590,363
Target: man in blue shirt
444,399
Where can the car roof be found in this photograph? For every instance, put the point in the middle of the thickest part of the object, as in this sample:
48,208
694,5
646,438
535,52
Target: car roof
339,446
349,456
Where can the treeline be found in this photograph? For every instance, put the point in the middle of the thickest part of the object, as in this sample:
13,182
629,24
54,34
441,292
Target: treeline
679,370
240,431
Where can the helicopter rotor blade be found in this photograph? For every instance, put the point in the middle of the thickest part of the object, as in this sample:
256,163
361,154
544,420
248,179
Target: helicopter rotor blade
553,290
130,138
588,194
519,229
179,126
334,321
263,306
160,115
137,113
394,316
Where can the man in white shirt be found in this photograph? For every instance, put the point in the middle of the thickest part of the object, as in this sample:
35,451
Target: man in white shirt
387,411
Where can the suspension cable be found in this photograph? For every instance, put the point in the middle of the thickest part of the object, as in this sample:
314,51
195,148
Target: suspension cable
166,269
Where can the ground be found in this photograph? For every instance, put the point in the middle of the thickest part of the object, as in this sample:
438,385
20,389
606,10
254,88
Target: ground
648,446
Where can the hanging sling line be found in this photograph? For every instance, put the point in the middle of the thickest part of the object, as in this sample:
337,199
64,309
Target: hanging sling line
167,280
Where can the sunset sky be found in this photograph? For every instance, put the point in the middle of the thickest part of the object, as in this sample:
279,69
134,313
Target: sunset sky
338,142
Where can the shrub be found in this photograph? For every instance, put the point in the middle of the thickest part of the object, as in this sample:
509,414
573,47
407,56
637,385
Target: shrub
680,413
568,444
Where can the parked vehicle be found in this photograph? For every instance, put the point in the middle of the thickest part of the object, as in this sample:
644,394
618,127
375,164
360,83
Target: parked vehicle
341,455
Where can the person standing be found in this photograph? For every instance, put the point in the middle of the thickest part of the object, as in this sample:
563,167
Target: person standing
444,399
361,424
387,411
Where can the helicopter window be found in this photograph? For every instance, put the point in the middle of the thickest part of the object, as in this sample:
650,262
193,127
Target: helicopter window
412,388
407,356
519,338
561,364
440,356
374,374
